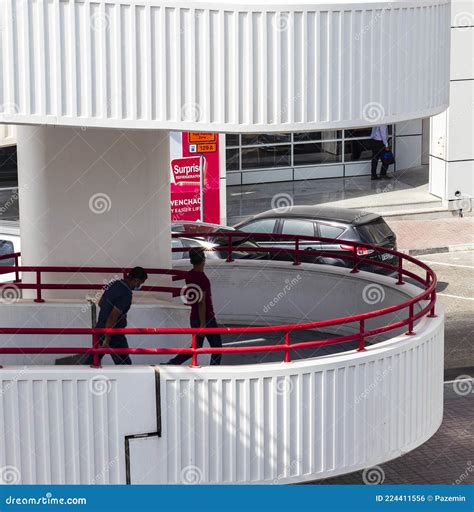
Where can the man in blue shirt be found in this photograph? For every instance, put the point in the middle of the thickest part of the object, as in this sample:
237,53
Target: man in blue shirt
114,305
379,144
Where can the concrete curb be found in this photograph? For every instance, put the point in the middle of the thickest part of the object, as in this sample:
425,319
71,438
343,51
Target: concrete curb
434,250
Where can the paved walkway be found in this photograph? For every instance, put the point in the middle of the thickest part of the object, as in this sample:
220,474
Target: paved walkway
409,186
419,235
446,458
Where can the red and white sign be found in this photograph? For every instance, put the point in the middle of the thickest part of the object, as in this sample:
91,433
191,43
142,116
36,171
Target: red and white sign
191,154
186,171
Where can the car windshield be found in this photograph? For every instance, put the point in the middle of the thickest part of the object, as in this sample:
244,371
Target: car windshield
375,232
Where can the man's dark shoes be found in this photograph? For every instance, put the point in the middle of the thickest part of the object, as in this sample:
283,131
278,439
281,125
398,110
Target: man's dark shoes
375,177
385,177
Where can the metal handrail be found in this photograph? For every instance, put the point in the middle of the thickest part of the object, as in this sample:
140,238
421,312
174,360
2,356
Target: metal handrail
428,294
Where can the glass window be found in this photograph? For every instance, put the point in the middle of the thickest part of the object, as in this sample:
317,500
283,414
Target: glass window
259,226
362,132
376,232
317,153
176,244
252,139
298,227
328,231
357,150
310,136
232,159
6,247
266,156
232,139
358,132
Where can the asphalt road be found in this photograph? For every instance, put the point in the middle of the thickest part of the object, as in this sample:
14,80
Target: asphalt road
455,272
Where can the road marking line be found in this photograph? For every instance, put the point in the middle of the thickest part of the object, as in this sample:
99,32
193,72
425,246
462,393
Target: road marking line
457,380
455,296
447,264
243,342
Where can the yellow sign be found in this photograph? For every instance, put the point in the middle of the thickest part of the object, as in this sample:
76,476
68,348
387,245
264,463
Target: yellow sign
202,137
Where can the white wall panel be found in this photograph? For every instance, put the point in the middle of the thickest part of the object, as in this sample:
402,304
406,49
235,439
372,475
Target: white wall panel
219,66
268,423
7,135
460,125
408,151
462,53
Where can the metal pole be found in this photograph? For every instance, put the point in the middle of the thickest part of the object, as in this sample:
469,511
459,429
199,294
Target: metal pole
95,356
287,345
39,298
296,260
201,187
410,324
194,357
361,338
17,273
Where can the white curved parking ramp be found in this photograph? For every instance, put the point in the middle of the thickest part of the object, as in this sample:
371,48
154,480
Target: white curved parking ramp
223,66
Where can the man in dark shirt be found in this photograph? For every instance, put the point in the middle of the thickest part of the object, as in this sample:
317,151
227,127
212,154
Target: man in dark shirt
199,297
114,305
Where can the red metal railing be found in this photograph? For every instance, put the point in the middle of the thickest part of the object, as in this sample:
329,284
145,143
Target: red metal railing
426,301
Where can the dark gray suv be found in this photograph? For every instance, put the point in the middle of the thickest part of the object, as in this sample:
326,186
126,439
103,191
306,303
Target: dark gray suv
326,222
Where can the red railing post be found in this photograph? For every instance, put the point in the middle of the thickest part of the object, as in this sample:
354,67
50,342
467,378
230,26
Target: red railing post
229,249
39,297
432,310
95,346
17,273
361,336
400,271
296,260
287,345
410,323
194,357
356,263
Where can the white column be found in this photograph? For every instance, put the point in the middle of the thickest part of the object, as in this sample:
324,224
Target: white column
94,197
452,132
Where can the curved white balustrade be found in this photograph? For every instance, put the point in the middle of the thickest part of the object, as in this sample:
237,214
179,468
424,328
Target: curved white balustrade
259,423
222,66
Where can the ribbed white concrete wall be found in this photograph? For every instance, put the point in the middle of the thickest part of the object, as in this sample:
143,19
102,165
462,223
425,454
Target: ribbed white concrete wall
278,422
60,425
221,66
299,421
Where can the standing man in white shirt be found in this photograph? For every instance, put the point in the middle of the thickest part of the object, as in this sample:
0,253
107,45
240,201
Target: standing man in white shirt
379,144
